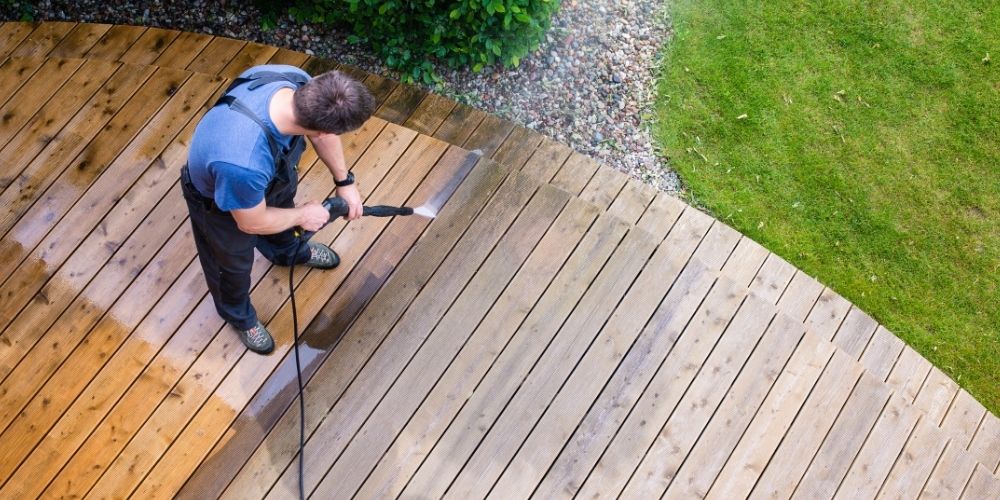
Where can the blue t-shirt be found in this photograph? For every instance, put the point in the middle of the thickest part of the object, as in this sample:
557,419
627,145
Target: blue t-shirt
230,160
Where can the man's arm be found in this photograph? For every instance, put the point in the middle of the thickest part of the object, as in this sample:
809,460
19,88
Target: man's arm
331,151
262,219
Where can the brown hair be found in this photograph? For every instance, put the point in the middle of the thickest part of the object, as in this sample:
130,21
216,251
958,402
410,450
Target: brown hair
332,102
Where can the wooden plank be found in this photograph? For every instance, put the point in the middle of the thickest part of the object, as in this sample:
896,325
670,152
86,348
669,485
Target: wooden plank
352,71
746,261
650,415
547,160
149,46
801,295
184,49
764,433
768,283
401,103
909,373
489,135
70,217
12,33
518,148
667,293
855,332
575,173
790,460
115,42
216,55
692,420
14,73
661,209
51,117
252,54
982,485
43,39
936,395
881,354
459,125
80,40
540,307
843,443
380,88
429,114
289,57
986,444
443,466
883,445
617,398
828,313
963,419
632,201
604,186
351,466
915,462
132,363
216,362
25,103
952,473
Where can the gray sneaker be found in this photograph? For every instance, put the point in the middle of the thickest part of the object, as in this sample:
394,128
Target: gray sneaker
257,339
322,256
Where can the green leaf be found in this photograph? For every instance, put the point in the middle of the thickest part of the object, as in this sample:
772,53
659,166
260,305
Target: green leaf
454,14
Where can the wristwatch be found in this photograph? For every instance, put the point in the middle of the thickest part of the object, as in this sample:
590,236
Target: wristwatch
346,182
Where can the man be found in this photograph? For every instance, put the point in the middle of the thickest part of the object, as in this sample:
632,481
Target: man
241,178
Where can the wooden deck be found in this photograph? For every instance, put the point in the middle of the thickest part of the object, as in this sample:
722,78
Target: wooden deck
559,330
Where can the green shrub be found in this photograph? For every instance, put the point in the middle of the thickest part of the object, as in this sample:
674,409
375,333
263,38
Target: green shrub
411,35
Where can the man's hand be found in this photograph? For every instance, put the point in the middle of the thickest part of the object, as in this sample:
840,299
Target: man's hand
313,216
353,198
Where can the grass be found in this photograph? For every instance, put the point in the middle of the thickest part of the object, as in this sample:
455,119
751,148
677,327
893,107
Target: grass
868,156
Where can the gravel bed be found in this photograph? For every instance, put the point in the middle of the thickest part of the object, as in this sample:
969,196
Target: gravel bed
591,84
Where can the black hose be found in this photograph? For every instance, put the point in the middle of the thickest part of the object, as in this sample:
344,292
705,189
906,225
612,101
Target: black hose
298,371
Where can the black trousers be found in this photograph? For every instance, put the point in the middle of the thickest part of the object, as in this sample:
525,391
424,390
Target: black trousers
226,253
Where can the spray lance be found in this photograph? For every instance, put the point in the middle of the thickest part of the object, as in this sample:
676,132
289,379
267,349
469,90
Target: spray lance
337,207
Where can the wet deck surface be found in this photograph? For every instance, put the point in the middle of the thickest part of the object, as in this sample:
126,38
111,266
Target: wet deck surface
558,330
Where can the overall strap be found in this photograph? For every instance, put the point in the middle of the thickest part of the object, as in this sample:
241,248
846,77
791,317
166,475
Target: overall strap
262,78
233,103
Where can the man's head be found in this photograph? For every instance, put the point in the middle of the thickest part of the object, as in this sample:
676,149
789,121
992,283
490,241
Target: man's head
332,102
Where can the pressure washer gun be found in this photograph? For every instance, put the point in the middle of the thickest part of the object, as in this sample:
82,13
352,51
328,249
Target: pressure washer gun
338,207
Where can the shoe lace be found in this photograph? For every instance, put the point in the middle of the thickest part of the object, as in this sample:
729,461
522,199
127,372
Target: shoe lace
319,255
256,334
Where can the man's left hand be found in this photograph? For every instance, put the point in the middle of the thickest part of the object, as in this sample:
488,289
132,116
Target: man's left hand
353,198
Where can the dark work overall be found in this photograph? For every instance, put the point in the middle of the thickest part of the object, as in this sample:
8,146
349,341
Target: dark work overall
225,252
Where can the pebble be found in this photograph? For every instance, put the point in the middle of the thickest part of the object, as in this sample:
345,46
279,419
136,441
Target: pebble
574,88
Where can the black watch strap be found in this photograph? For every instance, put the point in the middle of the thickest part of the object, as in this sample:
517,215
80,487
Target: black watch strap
346,182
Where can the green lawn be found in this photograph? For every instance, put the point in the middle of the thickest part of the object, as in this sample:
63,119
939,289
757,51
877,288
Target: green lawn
868,156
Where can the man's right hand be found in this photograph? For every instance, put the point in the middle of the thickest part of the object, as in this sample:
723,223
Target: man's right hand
313,216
